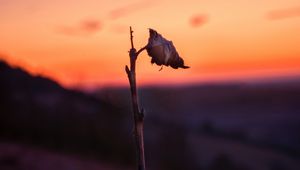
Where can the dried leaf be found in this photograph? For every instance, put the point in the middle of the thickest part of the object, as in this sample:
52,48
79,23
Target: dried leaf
163,52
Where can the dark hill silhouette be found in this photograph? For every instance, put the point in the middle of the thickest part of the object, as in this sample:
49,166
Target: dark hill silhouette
38,111
213,126
16,78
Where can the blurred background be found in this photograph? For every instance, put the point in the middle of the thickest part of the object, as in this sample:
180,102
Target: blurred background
65,100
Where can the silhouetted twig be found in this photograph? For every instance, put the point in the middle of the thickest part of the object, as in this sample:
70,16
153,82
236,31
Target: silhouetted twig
137,113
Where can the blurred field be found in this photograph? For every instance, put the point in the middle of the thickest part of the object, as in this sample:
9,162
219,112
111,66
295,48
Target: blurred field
230,126
22,157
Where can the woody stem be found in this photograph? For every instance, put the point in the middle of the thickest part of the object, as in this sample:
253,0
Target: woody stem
138,114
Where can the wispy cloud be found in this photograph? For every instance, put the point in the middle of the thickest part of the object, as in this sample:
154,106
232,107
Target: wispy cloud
84,27
131,8
284,13
90,25
198,20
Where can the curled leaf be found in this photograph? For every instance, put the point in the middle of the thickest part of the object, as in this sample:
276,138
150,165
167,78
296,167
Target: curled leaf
163,52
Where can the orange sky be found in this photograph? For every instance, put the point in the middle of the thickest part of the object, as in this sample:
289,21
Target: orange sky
84,43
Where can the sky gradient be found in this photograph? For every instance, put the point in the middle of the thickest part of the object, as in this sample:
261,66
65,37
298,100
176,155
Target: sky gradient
85,43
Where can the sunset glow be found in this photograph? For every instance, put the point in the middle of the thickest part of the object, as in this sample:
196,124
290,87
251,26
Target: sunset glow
85,43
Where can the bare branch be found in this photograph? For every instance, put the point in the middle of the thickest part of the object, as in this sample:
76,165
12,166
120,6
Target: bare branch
140,50
131,37
137,114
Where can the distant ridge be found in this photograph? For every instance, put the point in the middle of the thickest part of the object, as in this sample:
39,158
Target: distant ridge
17,77
38,111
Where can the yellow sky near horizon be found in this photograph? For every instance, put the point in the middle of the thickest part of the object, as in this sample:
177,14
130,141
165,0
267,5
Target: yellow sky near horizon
85,42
